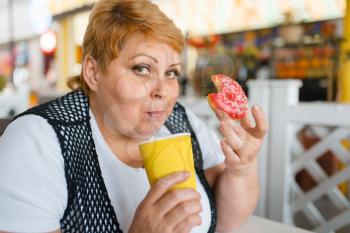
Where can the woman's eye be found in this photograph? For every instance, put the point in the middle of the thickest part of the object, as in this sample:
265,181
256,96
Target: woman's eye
143,70
173,74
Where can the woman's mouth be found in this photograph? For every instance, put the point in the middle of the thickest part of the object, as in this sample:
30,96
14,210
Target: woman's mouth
156,115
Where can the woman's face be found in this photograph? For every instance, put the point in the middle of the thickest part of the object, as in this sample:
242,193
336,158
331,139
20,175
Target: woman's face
139,90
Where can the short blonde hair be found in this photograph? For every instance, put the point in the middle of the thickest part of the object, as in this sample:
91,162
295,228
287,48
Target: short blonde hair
112,22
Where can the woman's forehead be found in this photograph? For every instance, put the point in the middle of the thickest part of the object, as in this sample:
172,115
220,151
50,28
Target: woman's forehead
151,49
141,43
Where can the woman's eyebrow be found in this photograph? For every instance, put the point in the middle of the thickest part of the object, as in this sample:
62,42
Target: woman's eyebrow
145,55
176,64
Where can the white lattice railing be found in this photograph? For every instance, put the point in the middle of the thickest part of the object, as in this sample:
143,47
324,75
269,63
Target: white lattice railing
323,207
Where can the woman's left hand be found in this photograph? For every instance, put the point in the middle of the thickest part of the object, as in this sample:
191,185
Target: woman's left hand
242,141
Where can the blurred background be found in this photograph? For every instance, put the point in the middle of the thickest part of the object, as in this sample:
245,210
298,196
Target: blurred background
40,42
290,56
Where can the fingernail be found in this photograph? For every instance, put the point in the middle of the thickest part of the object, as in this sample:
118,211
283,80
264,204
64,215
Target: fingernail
220,113
186,174
257,108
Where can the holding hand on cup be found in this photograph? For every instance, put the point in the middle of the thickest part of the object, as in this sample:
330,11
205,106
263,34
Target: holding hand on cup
175,211
172,204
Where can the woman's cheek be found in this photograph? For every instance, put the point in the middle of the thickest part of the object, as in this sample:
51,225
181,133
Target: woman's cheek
129,91
174,93
121,120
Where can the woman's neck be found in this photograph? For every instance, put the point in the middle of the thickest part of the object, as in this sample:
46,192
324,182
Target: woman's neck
126,150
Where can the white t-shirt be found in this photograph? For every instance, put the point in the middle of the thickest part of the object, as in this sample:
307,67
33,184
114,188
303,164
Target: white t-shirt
33,189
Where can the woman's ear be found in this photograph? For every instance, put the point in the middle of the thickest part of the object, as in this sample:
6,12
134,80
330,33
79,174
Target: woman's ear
90,73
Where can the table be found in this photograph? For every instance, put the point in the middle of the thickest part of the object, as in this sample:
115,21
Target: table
262,225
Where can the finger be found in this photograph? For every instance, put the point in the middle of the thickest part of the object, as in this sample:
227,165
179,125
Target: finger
221,115
237,128
187,225
182,211
231,136
261,122
246,123
174,198
164,184
230,156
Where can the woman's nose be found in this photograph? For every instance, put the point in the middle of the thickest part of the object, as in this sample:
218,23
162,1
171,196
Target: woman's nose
160,88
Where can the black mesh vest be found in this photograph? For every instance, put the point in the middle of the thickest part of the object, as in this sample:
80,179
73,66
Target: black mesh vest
89,208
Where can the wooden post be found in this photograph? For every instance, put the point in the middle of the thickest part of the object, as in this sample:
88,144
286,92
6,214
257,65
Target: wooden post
66,53
344,70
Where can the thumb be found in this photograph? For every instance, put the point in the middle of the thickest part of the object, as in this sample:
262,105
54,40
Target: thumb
159,188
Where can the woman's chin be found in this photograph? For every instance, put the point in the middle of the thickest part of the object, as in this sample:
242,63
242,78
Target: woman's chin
144,134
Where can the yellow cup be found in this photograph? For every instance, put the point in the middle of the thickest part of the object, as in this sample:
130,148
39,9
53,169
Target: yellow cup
166,155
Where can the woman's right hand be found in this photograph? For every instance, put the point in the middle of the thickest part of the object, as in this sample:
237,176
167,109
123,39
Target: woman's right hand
163,211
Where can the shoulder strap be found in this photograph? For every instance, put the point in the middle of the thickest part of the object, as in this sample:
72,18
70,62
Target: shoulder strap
72,108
